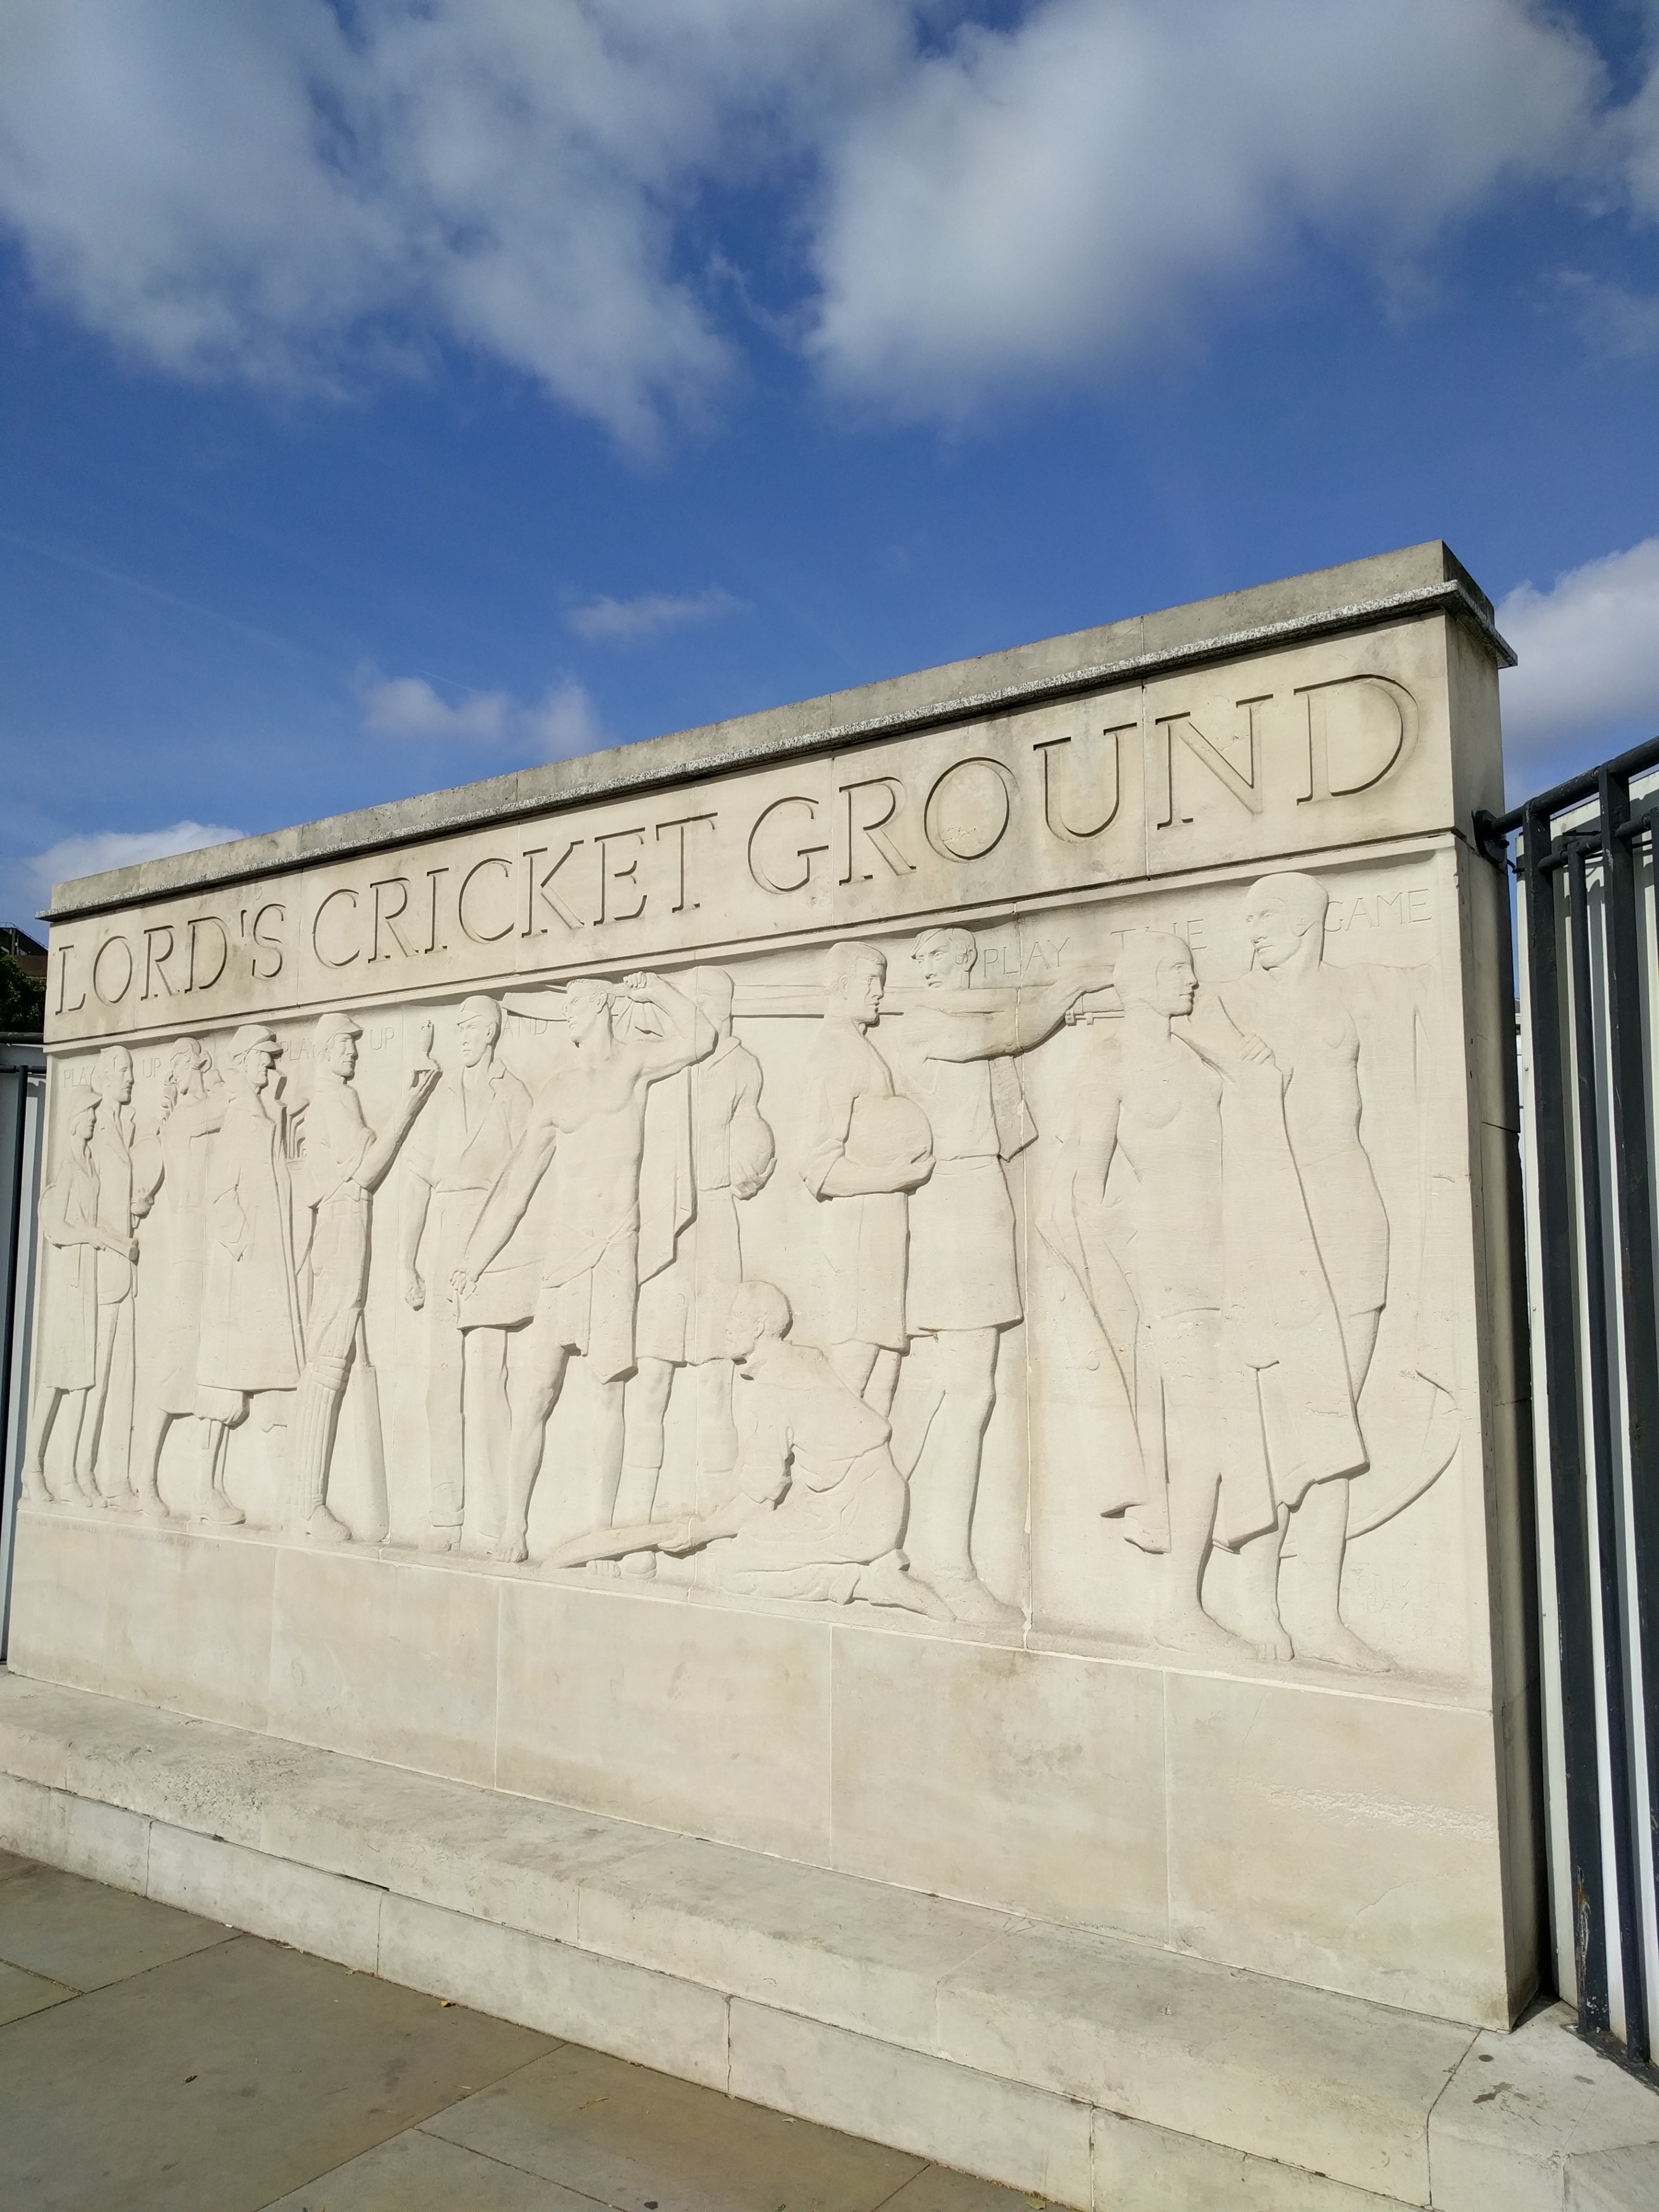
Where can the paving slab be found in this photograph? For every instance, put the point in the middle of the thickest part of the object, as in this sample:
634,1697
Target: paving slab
11,1863
81,1934
420,2173
631,2138
226,2079
22,1993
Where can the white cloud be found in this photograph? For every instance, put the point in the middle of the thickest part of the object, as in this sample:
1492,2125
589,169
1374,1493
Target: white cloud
290,191
90,856
634,622
565,720
1614,319
1051,196
1588,682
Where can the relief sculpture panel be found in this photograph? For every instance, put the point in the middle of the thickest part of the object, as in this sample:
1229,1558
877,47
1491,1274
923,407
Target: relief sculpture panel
1085,1271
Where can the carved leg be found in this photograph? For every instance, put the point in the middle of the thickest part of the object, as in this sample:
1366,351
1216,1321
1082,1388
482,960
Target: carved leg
717,1435
316,1413
1258,1576
487,1431
645,1406
153,1426
446,1436
534,1403
1321,1536
35,1491
947,1474
92,1407
212,1506
853,1361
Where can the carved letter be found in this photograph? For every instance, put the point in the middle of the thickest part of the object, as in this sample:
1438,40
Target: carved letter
610,873
1400,709
1052,812
271,945
385,917
193,981
685,822
876,832
156,959
534,890
120,945
968,823
1242,788
482,936
432,943
797,852
64,952
344,892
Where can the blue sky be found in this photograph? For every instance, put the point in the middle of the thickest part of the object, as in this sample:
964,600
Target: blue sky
390,394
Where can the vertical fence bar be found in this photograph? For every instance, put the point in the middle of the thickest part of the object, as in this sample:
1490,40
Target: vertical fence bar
1631,1103
1604,1464
1569,1501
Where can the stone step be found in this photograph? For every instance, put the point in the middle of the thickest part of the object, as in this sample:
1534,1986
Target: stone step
1092,2071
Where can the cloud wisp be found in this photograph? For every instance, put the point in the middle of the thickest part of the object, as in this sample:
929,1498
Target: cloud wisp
1587,681
642,621
564,721
971,198
91,853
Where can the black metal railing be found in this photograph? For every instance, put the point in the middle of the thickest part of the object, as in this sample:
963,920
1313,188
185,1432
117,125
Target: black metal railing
1590,959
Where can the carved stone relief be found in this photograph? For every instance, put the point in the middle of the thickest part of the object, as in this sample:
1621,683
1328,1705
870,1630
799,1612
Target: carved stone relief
1086,1273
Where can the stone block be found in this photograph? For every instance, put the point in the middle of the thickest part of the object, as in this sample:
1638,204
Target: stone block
323,1913
1138,2165
557,1989
1004,2130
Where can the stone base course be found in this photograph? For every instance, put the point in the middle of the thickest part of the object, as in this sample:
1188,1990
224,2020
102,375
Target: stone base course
1096,2072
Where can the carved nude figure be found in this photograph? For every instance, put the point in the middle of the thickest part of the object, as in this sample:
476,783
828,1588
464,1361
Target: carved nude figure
459,1149
587,1127
963,1280
106,1424
66,1362
867,1147
706,1147
170,1290
250,1338
819,1507
343,1162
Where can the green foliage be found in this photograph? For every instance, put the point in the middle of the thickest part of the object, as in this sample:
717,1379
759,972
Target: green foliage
22,1000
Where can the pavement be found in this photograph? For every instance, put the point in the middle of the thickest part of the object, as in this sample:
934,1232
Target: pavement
150,2058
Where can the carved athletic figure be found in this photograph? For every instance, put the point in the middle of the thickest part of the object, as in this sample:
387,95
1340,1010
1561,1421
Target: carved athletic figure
170,1286
867,1147
66,1362
457,1153
954,1055
819,1507
1241,1399
1305,1010
587,1127
706,1146
342,1164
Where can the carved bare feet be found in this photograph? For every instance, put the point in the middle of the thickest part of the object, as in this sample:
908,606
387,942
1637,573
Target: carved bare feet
1267,1636
643,1565
35,1491
1194,1631
153,1505
1335,1644
884,1582
967,1599
512,1551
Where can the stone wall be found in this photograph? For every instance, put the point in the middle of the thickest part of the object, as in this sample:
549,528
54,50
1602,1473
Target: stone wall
921,1284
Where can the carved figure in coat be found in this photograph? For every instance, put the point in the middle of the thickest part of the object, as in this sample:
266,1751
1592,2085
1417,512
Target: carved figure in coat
106,1435
343,1164
66,1359
459,1150
819,1507
171,1276
707,1145
955,1060
587,1129
250,1340
866,1148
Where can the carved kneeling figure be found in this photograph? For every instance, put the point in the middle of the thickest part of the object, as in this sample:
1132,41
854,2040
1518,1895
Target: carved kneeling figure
820,1506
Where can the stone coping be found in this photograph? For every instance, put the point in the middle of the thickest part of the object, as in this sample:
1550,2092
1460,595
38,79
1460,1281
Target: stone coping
1417,580
1095,2070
